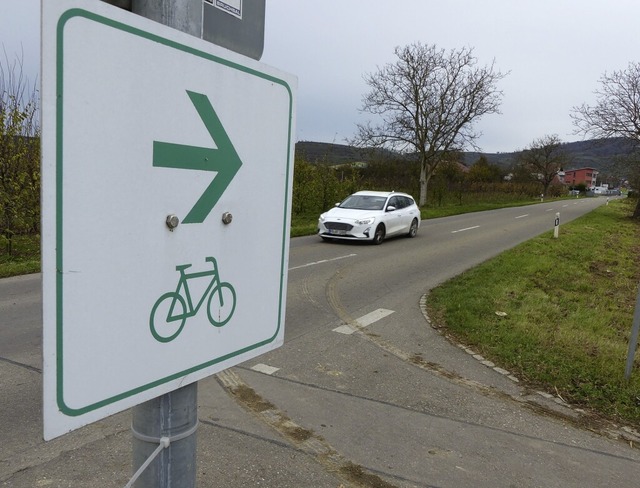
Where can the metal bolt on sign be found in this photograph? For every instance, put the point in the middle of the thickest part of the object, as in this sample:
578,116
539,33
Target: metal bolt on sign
172,221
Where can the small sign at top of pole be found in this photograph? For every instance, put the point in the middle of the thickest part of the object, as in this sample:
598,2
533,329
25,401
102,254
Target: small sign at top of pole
237,25
232,7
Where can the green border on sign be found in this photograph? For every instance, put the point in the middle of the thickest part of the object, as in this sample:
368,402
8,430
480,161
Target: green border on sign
64,18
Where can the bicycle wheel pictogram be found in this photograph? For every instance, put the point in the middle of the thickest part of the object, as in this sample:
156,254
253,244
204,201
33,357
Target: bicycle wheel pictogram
168,317
221,305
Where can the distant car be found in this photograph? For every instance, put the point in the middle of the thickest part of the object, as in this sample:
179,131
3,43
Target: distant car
371,216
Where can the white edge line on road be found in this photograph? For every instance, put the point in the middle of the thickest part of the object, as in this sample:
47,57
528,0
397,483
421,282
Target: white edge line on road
548,210
522,216
462,230
364,321
323,261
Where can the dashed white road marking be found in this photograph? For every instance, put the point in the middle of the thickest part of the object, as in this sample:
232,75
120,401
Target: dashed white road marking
364,321
263,368
466,228
323,261
344,329
522,216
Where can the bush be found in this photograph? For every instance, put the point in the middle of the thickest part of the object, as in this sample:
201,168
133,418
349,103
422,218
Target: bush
19,156
317,187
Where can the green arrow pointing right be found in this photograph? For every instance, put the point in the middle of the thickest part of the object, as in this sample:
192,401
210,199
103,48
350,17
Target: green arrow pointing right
224,159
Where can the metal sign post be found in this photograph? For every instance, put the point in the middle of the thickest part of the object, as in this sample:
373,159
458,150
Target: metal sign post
183,15
164,440
157,423
633,340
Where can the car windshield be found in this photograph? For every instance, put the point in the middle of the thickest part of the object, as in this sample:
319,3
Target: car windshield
364,202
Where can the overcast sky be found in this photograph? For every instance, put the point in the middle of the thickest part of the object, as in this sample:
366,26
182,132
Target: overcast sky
555,51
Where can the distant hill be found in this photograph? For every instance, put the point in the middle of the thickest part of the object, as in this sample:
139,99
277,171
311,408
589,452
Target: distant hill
321,152
326,153
599,154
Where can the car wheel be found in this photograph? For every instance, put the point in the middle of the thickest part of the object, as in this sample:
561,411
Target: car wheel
413,230
378,237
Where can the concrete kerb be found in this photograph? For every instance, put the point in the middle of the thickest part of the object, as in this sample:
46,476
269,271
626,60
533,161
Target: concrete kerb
624,433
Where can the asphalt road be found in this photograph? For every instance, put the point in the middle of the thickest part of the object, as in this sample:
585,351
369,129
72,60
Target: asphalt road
363,388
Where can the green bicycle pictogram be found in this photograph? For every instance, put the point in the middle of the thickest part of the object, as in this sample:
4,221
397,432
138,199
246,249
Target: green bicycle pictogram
171,310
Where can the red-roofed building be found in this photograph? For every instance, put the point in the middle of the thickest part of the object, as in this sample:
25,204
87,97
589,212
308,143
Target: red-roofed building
586,176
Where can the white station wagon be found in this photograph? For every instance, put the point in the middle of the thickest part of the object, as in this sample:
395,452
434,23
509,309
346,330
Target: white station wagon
371,216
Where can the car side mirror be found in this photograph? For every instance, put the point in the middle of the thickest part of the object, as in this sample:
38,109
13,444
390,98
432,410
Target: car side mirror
390,208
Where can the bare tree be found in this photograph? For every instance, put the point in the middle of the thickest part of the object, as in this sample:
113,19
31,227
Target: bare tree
617,109
544,159
615,114
427,102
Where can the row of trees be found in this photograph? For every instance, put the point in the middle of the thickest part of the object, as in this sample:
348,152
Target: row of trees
427,102
19,154
317,187
616,113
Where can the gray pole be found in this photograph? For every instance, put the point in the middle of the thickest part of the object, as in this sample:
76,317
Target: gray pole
183,15
633,340
174,413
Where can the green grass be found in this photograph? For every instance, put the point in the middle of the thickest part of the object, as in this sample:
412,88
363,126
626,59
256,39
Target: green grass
433,212
569,305
304,225
24,257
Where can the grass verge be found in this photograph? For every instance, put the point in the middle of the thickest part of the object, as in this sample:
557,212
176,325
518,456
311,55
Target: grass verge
24,257
433,212
569,305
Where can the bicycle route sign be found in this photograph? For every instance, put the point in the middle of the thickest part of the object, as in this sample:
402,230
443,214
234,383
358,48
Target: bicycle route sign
167,167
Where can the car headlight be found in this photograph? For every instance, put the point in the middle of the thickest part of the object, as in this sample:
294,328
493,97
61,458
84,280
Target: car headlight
368,221
322,217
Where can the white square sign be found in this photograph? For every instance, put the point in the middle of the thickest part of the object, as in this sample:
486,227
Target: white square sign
167,167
